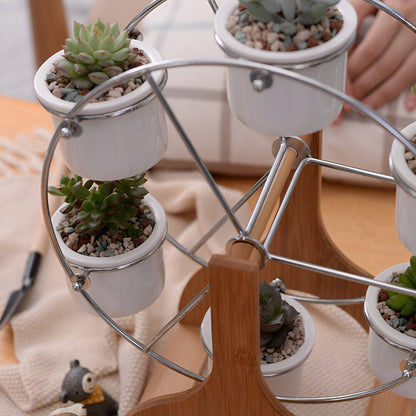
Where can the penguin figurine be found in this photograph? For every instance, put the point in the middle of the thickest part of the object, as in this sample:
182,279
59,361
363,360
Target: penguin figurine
79,386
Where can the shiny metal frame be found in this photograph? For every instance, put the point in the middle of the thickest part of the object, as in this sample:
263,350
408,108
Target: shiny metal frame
71,126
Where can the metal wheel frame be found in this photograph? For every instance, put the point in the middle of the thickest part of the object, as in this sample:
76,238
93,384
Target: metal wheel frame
72,126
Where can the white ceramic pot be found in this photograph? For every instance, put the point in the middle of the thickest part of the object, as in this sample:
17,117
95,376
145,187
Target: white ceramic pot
288,107
385,359
111,147
283,378
130,289
405,185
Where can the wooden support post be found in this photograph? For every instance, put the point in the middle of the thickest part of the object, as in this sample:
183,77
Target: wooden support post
49,28
235,385
301,235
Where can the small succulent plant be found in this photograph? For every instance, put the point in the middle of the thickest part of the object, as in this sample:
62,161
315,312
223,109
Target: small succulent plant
276,317
404,304
286,13
96,53
95,205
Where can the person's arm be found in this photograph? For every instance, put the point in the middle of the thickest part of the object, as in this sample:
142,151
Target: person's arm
383,64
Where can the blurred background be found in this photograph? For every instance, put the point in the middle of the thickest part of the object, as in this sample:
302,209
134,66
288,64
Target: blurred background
16,44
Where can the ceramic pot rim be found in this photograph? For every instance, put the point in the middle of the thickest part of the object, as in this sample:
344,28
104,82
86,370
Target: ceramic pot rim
373,315
398,164
61,106
151,244
288,364
325,50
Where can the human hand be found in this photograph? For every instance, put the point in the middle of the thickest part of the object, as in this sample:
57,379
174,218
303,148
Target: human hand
383,64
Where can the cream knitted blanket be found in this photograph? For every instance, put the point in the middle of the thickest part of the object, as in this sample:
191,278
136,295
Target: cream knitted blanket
50,330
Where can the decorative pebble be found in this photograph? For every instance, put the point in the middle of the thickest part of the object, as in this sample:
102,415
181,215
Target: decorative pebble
271,37
63,87
391,318
82,249
260,35
240,36
104,245
276,27
114,93
293,342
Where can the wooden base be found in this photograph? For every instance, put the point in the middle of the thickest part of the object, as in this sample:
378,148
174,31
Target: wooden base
238,387
234,386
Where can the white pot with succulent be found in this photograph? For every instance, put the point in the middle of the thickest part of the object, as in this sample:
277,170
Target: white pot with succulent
296,35
405,189
114,231
116,142
287,335
391,317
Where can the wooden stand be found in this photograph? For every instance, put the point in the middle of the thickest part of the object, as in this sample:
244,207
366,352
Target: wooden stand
236,386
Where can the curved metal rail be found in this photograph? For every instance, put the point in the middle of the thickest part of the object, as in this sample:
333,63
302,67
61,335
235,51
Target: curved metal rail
71,125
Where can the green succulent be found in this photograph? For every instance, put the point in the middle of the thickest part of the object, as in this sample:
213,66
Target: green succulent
404,304
96,204
96,53
276,317
287,13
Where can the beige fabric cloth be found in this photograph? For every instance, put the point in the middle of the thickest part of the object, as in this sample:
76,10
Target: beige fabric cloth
50,330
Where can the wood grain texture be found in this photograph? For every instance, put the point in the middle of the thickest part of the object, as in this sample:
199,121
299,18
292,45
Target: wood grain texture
191,357
49,29
267,212
302,235
7,355
235,387
306,236
388,404
346,210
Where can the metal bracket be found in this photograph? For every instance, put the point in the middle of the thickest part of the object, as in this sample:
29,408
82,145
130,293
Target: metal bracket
70,128
301,147
80,281
261,79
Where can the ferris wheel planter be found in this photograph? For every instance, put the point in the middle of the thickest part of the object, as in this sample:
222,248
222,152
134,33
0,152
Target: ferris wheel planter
123,284
284,377
405,190
388,348
116,142
288,107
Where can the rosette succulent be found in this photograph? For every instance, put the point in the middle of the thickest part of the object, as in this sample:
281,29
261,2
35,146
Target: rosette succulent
96,53
276,317
287,13
94,205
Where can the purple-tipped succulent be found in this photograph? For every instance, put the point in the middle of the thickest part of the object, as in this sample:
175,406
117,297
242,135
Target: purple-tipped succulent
276,316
